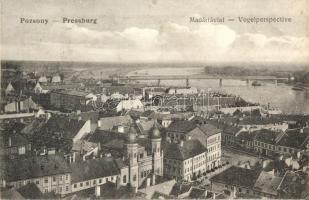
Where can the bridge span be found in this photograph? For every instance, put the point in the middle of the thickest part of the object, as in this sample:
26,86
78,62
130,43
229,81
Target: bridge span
199,77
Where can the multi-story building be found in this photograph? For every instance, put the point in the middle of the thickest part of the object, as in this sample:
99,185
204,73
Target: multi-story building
49,173
68,99
269,142
185,161
208,135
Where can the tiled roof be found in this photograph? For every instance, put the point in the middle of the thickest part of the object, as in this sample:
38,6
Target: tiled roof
267,136
189,149
92,169
294,138
30,191
246,135
58,132
93,116
267,183
34,167
237,176
209,129
181,126
231,130
294,186
107,123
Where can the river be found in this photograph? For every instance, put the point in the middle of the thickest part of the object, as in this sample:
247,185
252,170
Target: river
281,96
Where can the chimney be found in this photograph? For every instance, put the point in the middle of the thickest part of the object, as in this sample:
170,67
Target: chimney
214,195
148,182
153,179
97,191
206,194
79,118
301,130
99,123
3,183
78,112
181,143
118,182
74,157
234,192
298,154
10,141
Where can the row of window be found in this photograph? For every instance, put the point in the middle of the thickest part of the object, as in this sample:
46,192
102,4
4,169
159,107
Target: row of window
273,147
100,181
213,148
54,178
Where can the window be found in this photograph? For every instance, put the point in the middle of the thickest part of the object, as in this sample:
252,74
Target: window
54,179
37,182
81,184
21,150
239,189
60,178
60,189
100,180
112,178
124,179
67,188
134,177
75,185
46,190
142,173
66,177
106,179
46,180
87,183
94,182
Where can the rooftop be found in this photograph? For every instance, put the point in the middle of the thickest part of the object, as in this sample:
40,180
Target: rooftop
209,129
237,176
267,183
189,149
92,169
35,167
181,126
294,138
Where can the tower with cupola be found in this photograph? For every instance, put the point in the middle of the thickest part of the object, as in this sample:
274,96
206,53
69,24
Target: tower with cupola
131,155
157,153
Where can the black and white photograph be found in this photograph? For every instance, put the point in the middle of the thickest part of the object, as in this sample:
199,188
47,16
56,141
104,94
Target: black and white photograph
154,99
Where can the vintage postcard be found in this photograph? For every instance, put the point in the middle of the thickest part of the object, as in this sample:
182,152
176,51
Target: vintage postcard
154,99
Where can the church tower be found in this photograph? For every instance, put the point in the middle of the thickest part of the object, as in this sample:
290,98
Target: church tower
157,152
131,155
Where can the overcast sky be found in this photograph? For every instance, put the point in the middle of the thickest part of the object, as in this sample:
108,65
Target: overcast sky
155,30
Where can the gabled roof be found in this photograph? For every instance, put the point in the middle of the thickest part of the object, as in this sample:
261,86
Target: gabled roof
181,126
35,167
30,191
267,183
267,136
294,186
92,169
107,123
295,138
237,176
231,130
189,149
209,129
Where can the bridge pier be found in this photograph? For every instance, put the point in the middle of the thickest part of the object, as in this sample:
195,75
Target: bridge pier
220,82
276,82
187,82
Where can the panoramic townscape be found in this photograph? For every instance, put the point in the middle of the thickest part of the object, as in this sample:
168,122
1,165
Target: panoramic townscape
72,134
